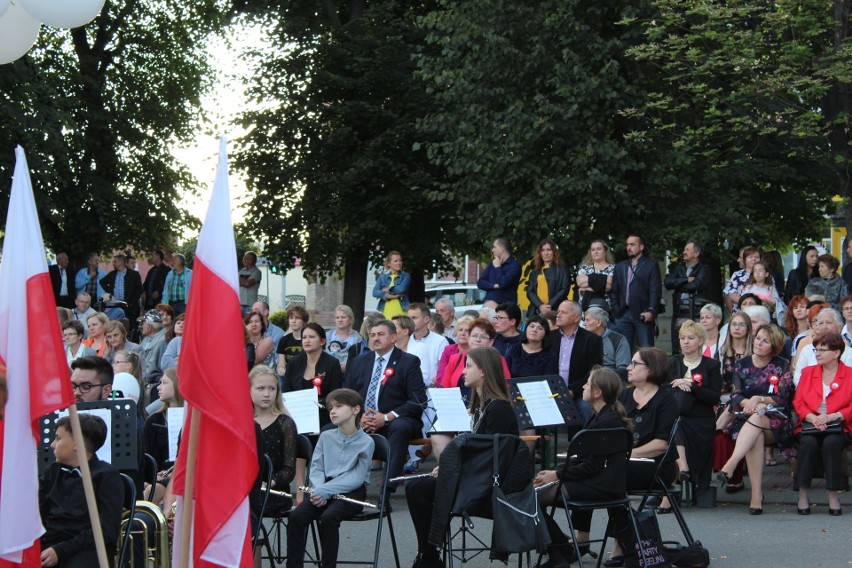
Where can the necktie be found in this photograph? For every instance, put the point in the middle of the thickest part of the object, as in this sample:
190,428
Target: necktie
373,389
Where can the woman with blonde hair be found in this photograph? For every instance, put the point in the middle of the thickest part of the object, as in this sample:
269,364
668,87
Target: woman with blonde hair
96,324
391,287
594,277
155,434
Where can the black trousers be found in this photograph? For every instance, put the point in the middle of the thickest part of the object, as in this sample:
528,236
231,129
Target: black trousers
420,495
398,433
330,516
828,447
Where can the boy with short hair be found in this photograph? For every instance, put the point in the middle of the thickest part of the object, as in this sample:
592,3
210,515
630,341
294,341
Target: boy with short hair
69,541
340,466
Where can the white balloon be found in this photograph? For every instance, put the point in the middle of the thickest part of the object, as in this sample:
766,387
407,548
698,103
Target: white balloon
18,33
3,5
63,13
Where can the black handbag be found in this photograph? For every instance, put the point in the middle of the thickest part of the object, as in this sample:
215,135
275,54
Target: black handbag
835,427
690,556
652,554
518,519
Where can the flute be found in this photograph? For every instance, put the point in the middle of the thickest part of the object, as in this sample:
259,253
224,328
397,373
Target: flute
410,477
545,486
275,491
339,497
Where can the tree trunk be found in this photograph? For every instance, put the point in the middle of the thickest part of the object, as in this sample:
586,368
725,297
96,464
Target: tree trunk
355,285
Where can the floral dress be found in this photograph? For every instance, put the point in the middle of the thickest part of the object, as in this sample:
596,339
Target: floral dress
749,381
598,296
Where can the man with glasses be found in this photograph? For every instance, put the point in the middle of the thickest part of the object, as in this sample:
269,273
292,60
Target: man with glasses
827,320
91,378
579,350
506,323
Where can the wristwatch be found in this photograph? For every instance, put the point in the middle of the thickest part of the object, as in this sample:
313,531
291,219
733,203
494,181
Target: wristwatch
386,419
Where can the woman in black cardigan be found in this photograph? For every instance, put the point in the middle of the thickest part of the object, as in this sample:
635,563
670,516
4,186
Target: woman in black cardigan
696,382
313,368
587,477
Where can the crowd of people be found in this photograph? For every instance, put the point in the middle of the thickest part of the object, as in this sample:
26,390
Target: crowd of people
774,376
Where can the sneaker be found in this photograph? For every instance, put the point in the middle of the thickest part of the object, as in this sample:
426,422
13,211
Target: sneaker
411,466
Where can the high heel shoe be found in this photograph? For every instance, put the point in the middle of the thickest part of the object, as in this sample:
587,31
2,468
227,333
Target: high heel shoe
756,510
723,478
835,512
805,511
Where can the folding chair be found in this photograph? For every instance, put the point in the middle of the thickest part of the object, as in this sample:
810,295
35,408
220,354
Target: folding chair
150,474
277,533
130,508
659,488
266,475
380,453
614,444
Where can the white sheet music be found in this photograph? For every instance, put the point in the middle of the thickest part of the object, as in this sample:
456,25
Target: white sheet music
303,406
449,406
174,424
105,452
540,403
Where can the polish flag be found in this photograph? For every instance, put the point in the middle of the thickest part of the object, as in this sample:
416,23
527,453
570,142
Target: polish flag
37,375
214,382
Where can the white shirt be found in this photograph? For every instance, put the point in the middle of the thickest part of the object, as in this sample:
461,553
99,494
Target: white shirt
431,347
808,359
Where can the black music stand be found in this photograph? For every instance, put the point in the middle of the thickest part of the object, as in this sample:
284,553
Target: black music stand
123,433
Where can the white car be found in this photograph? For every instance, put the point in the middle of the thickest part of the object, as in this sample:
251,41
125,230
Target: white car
464,296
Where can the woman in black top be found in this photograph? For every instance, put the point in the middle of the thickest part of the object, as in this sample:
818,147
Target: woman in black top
587,477
313,367
529,358
491,413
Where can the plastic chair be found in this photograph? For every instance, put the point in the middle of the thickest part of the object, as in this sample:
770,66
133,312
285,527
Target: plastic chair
659,488
614,444
130,507
381,453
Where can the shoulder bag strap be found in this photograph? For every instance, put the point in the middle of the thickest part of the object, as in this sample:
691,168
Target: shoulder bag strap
496,469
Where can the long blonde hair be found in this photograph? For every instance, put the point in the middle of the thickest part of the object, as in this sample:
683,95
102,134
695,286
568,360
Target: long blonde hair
277,404
172,375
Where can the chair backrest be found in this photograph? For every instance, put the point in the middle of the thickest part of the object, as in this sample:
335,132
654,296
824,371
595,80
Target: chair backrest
130,506
601,442
304,448
150,474
667,456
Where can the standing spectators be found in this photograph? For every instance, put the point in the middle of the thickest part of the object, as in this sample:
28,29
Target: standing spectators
828,285
636,293
391,287
125,285
594,277
152,346
823,404
291,344
155,280
176,287
501,277
60,277
579,351
734,289
529,358
72,334
799,277
616,351
710,318
549,283
445,308
249,276
264,349
760,380
88,278
688,281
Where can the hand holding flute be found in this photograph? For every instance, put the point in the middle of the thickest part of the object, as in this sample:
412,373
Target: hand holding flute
319,501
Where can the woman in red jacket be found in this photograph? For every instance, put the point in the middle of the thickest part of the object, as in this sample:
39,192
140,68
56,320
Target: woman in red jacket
823,403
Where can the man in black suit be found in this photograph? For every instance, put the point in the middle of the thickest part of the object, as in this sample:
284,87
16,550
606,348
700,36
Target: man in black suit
392,385
688,282
124,284
579,350
62,278
155,280
635,294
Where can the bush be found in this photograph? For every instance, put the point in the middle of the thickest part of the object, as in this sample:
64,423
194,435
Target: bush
279,318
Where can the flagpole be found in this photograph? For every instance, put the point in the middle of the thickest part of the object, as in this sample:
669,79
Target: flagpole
88,487
188,498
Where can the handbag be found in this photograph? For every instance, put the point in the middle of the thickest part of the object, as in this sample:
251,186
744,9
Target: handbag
518,520
652,554
690,556
835,427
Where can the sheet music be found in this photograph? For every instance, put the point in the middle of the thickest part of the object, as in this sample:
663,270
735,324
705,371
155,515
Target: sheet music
105,452
540,403
174,424
303,406
449,406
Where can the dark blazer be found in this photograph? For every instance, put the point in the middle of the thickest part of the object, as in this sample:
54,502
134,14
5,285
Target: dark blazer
328,367
404,392
56,281
155,280
587,352
706,395
678,281
132,286
645,289
558,284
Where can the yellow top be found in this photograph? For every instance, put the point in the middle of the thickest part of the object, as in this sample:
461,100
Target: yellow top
392,307
541,288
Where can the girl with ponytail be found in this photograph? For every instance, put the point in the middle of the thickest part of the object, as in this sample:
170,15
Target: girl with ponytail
586,477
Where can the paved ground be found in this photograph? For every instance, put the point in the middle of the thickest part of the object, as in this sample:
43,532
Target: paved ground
778,538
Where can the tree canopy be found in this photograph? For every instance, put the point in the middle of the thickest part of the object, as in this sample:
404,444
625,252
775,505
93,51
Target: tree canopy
98,110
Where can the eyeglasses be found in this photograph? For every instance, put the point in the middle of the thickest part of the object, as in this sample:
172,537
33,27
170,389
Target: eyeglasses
634,363
821,350
500,318
479,336
738,325
85,387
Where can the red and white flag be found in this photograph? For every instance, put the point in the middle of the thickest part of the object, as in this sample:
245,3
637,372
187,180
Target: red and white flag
36,370
214,382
